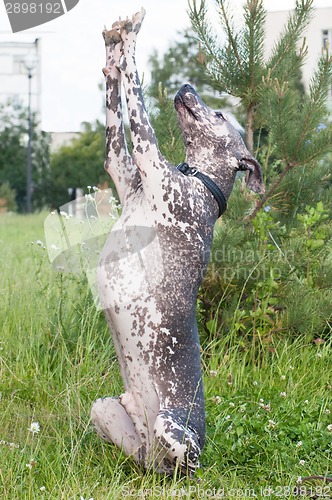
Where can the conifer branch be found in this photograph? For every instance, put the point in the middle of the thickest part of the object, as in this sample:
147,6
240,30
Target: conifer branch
260,204
270,92
198,17
230,31
297,23
315,106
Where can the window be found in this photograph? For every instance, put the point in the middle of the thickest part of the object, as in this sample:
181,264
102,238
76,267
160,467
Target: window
326,41
18,67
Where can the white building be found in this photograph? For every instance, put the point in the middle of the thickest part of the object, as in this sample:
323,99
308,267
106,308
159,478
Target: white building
59,139
16,60
318,37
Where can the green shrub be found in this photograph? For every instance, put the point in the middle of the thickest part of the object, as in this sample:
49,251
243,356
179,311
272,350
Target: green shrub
7,198
268,279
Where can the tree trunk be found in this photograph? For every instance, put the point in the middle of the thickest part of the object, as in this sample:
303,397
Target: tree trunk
250,128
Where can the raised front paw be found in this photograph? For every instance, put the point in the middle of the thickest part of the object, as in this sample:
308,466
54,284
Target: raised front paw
134,24
113,36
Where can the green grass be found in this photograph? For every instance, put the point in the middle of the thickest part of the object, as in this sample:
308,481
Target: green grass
56,358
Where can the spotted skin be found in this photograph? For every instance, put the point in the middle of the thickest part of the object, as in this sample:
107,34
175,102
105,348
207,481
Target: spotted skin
148,278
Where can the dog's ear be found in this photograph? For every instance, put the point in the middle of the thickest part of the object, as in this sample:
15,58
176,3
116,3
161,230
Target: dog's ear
255,176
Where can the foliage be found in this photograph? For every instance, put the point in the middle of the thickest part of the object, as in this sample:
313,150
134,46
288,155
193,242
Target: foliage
78,164
7,198
165,124
13,154
269,280
171,70
268,417
298,131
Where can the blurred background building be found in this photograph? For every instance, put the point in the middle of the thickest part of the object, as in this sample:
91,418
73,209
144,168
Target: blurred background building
17,60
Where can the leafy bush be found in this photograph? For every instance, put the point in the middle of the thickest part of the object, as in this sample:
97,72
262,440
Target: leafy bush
7,198
268,279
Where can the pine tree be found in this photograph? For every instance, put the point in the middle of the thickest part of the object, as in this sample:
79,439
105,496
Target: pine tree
297,124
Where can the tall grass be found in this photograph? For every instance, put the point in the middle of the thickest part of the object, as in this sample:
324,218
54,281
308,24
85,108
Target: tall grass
268,415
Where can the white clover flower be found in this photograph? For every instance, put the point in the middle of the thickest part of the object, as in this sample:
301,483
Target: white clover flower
299,444
319,355
272,424
213,373
283,377
283,395
327,412
231,404
42,488
216,399
227,417
31,464
301,462
306,402
329,427
255,382
34,428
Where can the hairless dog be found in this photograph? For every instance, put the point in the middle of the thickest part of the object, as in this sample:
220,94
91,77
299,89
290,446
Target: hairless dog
154,260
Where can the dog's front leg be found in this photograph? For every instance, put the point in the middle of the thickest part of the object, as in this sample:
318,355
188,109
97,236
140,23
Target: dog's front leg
118,161
145,147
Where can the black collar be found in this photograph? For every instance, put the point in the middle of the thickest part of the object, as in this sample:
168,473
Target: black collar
209,183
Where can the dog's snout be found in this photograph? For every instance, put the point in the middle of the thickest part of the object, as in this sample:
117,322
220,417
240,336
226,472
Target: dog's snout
187,93
189,99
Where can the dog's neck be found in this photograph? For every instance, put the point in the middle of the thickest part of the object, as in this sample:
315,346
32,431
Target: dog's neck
221,174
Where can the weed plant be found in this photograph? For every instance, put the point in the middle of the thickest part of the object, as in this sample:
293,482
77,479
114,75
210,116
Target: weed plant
268,395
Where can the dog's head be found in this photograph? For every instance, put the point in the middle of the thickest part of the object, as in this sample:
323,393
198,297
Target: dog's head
212,139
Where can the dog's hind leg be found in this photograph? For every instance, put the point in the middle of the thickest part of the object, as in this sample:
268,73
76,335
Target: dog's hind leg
177,444
113,424
118,161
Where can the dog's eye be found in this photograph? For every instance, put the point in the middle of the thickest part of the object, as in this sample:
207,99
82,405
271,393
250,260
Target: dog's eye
220,115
